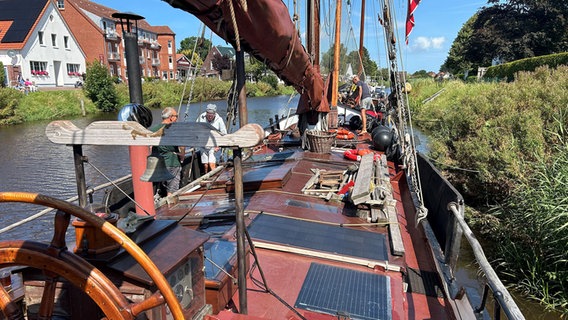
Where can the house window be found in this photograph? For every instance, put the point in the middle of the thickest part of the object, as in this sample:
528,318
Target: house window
40,37
54,39
61,4
171,74
170,60
169,43
66,42
73,69
38,68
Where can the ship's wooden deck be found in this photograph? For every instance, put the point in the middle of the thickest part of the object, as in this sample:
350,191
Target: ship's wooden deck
275,187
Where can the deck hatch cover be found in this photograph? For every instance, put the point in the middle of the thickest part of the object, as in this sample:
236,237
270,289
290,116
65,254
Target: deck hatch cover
356,294
322,237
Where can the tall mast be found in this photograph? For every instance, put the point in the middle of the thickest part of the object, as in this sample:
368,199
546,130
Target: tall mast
314,31
361,37
336,52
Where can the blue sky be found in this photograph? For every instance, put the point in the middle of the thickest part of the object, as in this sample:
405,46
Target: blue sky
437,24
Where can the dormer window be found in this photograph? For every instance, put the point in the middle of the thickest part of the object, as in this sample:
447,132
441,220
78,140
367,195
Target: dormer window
61,4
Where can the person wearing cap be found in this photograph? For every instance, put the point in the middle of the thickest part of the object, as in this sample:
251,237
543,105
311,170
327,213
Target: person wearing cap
363,99
212,117
173,155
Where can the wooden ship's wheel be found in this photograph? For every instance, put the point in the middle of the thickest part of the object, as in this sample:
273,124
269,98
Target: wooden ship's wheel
57,262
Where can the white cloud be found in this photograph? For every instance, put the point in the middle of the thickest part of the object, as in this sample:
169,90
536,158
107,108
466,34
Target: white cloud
427,44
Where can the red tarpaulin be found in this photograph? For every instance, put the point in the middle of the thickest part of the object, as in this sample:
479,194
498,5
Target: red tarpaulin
412,4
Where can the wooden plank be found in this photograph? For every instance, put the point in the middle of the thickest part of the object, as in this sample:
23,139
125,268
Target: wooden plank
361,191
130,133
312,181
397,246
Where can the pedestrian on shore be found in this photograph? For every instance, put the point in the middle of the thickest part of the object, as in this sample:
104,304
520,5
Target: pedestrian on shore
212,117
173,155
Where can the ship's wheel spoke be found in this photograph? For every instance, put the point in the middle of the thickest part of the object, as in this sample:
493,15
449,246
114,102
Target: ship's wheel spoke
59,263
47,304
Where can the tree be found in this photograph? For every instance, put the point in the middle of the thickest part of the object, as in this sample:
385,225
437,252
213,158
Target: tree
194,58
255,68
221,62
187,46
510,30
421,74
455,62
327,60
99,87
2,75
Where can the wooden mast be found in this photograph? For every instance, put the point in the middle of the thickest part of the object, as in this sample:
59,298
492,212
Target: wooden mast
336,52
361,37
314,31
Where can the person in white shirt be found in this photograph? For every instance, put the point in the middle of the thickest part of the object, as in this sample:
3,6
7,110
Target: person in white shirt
208,154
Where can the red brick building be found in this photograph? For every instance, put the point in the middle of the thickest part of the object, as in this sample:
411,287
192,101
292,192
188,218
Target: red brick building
100,37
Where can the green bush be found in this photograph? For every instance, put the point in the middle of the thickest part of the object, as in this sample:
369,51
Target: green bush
507,71
99,87
2,75
272,80
9,101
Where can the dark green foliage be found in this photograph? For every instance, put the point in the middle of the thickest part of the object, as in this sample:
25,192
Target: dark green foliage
507,31
9,101
507,71
187,46
370,67
221,62
99,87
272,80
2,75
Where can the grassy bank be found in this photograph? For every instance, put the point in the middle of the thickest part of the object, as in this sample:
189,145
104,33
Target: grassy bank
16,107
504,145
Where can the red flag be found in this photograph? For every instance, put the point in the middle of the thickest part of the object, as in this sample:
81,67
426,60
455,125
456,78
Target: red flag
412,4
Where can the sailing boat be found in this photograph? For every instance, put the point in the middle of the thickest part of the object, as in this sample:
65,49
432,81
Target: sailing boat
283,234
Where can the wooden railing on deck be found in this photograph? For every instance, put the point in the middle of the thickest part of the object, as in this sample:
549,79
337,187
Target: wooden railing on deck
444,228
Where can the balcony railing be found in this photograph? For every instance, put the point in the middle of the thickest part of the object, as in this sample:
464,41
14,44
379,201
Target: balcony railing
155,45
111,34
156,61
114,56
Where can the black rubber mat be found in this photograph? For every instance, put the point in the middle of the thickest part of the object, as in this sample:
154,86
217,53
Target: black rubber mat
424,282
321,237
346,293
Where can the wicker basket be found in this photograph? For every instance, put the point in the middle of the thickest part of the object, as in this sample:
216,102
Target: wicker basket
319,141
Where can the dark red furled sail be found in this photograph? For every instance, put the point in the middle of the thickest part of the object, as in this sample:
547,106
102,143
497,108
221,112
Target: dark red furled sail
266,32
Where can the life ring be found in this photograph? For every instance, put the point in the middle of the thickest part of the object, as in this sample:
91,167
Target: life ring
344,134
352,155
357,154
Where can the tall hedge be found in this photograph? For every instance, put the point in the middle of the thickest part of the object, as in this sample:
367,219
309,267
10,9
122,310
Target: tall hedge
507,71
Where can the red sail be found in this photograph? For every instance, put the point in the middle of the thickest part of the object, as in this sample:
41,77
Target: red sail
266,32
412,4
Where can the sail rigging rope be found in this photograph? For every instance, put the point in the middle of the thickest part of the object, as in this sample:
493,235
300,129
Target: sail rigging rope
193,52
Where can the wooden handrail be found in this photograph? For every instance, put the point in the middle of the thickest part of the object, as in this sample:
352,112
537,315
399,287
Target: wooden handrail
500,293
130,133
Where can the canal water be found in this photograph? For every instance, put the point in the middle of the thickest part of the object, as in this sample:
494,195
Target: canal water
29,162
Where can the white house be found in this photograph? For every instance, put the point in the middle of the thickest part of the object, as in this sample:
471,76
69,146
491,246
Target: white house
36,44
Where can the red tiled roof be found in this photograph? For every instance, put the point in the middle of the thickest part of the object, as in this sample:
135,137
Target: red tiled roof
162,30
4,26
106,12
